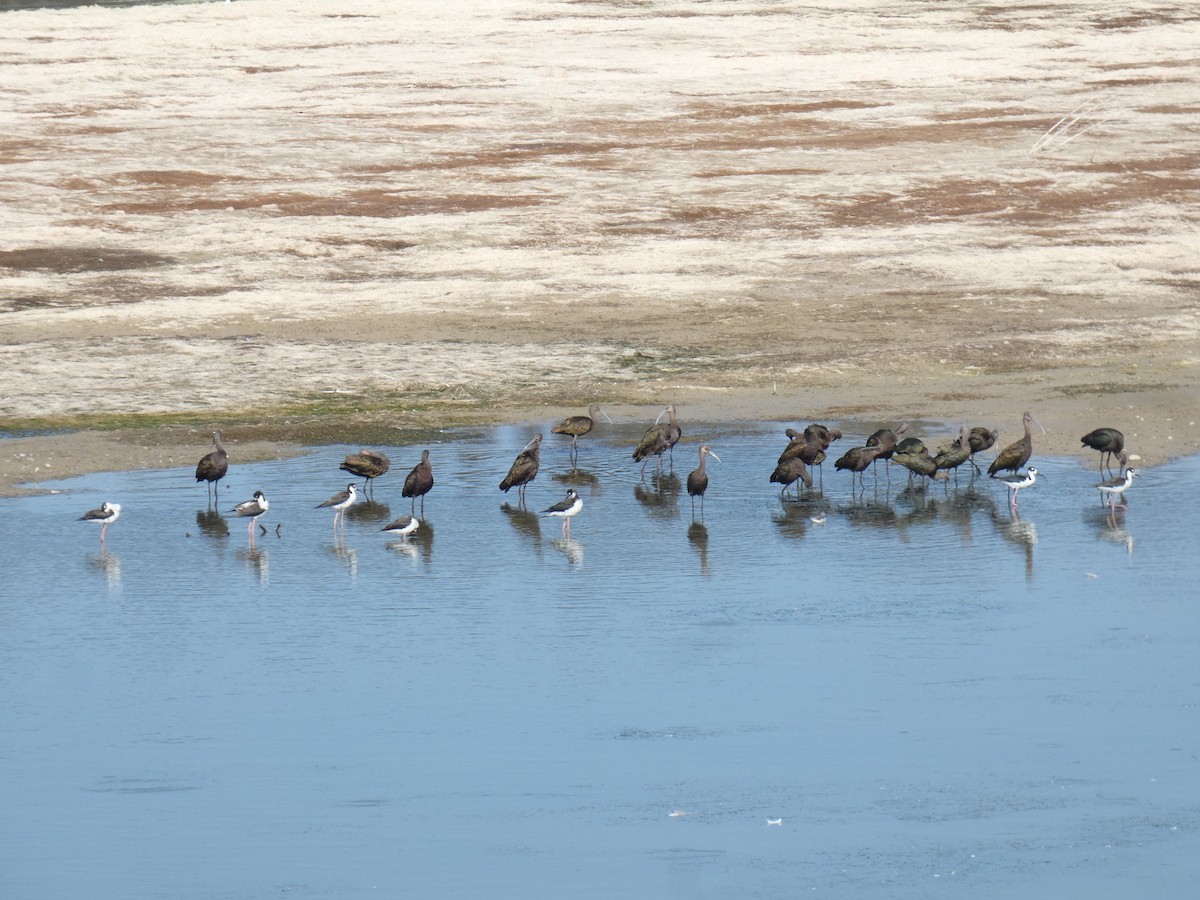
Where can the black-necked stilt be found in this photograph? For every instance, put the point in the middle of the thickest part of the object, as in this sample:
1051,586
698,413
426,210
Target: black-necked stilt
1015,482
578,426
697,480
368,465
856,459
419,482
659,437
340,502
565,509
403,526
524,468
1116,487
104,515
788,472
1109,442
213,466
253,508
1016,454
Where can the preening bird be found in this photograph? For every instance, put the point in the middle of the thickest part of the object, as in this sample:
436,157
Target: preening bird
659,437
524,468
253,508
367,464
403,526
103,515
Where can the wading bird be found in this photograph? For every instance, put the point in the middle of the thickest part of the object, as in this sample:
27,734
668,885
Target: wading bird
253,508
403,526
790,471
103,515
578,426
659,437
697,480
565,510
419,482
366,464
213,466
855,460
340,502
1016,482
1115,488
1016,454
980,439
1109,442
524,468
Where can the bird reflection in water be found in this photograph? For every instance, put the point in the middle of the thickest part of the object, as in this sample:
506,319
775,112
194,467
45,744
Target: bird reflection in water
108,565
527,524
795,519
419,543
1109,522
579,479
659,495
348,555
1023,533
369,512
257,561
211,523
698,538
571,549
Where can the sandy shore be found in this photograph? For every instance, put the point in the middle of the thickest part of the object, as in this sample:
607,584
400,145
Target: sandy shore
312,222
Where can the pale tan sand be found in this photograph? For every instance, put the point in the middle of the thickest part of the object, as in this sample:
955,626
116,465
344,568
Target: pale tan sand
462,213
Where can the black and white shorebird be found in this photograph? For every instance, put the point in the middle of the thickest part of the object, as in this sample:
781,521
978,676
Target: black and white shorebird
252,508
340,502
565,509
1115,488
213,466
1016,482
103,515
403,527
418,483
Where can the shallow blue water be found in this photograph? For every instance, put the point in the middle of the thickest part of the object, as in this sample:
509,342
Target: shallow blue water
933,696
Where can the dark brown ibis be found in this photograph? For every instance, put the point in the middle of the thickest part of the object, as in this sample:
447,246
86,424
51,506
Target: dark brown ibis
697,480
578,426
981,439
909,446
954,454
418,482
366,464
886,440
659,437
789,471
1109,442
918,462
1016,454
855,460
524,468
213,465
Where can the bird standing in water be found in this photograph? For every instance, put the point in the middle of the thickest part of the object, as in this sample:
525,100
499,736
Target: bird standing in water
1016,482
1016,454
103,515
367,464
524,468
403,526
419,482
1115,488
578,426
1109,442
213,466
340,502
697,480
253,508
566,509
659,437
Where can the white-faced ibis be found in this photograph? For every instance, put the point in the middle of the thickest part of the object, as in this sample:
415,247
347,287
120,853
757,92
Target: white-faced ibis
1016,482
213,465
524,468
909,445
103,515
917,461
953,455
886,440
790,471
855,460
419,482
659,437
1016,454
697,480
1116,487
578,426
1108,441
253,508
368,465
980,439
340,502
403,526
565,510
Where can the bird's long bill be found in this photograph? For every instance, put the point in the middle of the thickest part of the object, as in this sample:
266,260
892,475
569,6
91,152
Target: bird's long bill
659,418
1039,425
530,444
714,456
607,417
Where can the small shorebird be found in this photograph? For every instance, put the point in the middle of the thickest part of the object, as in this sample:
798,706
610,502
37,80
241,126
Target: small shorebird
1016,482
1116,487
565,509
403,526
253,508
104,515
213,466
340,502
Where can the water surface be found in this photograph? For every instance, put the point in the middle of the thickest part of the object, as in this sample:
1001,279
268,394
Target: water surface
930,693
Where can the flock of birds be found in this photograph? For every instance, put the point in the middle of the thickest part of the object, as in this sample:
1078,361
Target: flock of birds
806,450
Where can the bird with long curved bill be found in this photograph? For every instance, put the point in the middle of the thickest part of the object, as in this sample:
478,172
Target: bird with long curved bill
697,480
419,482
